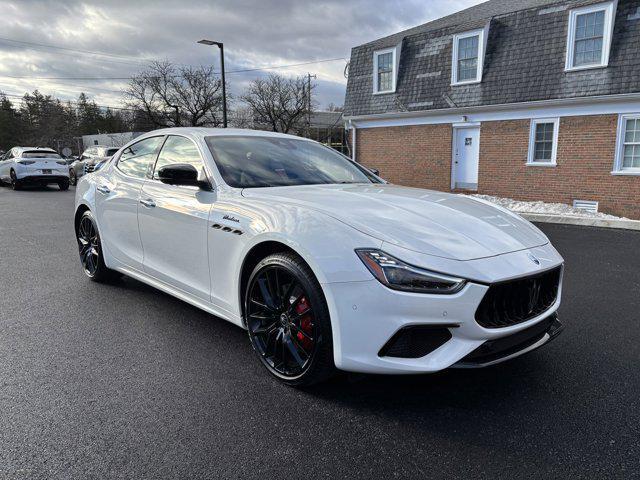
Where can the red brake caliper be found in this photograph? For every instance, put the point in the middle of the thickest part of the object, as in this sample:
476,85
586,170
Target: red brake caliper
305,323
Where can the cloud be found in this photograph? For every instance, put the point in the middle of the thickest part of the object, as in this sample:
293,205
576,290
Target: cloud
256,33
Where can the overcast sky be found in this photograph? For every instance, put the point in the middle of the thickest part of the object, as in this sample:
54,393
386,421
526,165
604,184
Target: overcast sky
256,33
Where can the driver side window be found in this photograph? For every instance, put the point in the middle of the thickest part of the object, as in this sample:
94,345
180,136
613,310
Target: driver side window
136,159
178,150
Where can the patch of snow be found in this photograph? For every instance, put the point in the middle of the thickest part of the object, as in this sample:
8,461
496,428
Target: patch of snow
545,208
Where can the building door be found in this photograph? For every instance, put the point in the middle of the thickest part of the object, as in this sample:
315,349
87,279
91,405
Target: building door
466,157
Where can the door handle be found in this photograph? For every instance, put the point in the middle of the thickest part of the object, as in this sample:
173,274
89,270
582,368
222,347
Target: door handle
103,189
148,203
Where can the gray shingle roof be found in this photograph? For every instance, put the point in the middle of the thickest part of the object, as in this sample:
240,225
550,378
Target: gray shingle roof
524,61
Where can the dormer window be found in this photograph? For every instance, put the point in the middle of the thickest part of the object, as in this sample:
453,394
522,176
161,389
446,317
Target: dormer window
589,41
385,70
468,57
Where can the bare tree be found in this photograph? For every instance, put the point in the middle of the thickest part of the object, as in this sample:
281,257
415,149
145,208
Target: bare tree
279,103
242,118
177,96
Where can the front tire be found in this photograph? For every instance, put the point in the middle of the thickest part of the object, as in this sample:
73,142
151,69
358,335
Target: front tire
288,321
90,249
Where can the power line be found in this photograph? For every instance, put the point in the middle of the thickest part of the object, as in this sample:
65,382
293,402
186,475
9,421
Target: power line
227,72
286,66
74,102
68,49
62,84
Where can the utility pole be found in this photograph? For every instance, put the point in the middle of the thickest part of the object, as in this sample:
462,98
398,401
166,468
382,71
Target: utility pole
309,77
220,45
177,122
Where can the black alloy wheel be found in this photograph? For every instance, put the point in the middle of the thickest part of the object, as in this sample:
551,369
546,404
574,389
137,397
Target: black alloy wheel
15,183
90,250
89,245
288,320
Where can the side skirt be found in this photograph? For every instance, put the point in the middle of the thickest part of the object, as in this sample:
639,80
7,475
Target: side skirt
181,295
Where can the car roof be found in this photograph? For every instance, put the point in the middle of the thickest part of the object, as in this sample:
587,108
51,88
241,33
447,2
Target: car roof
41,149
202,132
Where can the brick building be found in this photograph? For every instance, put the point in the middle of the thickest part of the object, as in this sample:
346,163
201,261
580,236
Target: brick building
528,99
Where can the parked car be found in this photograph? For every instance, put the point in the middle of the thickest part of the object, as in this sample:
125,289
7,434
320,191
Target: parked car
88,160
100,164
324,263
23,166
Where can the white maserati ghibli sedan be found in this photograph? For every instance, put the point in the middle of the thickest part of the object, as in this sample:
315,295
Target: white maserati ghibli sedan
325,264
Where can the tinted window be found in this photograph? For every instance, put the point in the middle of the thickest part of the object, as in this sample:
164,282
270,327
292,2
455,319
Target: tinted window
40,154
246,162
178,150
111,152
136,159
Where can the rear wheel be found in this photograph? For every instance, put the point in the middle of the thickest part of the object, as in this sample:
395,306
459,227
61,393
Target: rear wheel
15,183
288,321
90,250
63,185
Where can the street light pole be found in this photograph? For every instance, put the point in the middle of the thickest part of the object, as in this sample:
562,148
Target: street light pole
220,45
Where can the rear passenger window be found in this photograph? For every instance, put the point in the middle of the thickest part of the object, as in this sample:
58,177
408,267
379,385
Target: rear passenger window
136,159
178,150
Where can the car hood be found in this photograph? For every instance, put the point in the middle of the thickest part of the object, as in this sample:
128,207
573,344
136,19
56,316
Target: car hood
434,223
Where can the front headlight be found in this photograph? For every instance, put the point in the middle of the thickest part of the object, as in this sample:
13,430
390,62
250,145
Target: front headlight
399,275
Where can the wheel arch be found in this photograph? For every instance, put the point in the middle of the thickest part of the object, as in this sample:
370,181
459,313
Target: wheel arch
78,215
258,252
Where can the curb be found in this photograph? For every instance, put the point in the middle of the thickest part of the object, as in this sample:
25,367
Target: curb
584,221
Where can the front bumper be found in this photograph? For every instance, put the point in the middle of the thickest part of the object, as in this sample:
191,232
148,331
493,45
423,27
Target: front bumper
503,349
366,315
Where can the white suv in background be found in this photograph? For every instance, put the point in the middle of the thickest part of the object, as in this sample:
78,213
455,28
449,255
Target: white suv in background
23,166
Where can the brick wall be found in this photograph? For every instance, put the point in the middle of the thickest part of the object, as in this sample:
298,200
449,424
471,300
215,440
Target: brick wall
420,156
586,152
416,156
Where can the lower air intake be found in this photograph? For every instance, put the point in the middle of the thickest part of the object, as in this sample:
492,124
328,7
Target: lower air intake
415,341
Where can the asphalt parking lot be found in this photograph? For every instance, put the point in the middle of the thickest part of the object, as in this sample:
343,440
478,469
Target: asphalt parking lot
122,381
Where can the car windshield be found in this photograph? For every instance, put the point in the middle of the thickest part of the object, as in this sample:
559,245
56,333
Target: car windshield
40,154
247,162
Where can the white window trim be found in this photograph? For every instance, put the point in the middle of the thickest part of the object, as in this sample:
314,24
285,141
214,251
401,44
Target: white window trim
609,14
394,70
454,59
532,142
617,167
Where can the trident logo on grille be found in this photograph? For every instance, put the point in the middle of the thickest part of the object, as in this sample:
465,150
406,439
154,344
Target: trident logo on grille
533,258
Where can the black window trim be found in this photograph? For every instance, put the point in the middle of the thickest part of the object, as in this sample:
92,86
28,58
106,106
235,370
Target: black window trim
207,173
117,161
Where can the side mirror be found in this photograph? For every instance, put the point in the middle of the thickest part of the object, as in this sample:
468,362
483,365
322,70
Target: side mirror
182,174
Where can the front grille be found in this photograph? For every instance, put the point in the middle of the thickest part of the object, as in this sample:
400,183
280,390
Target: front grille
416,341
516,301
